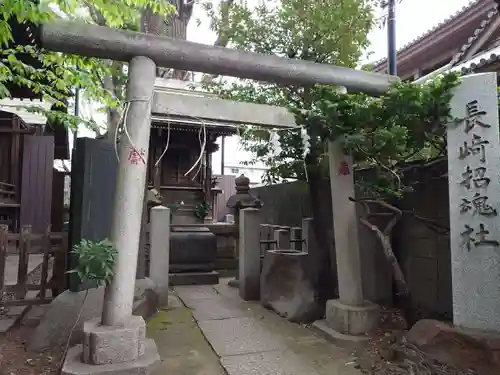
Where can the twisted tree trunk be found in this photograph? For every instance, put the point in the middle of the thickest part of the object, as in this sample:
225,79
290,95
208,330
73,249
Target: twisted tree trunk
385,238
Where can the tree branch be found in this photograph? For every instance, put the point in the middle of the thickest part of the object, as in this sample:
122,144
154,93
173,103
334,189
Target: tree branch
385,241
95,14
394,210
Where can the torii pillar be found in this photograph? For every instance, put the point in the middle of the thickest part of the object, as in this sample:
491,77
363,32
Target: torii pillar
350,315
116,343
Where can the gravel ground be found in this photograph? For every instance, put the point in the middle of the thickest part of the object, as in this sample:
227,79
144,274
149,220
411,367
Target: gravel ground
389,353
14,359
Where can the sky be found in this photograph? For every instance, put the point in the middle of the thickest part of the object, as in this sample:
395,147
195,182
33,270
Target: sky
413,18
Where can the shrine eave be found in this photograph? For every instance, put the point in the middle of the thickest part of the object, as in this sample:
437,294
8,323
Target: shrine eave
180,123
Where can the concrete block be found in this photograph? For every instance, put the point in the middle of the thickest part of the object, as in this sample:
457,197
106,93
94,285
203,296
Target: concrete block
143,365
352,320
111,344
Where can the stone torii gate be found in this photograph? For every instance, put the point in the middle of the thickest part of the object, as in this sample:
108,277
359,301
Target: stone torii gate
116,344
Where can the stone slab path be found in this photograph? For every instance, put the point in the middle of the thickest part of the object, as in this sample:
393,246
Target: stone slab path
210,331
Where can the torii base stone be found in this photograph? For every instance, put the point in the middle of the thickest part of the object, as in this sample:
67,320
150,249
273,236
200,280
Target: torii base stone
111,350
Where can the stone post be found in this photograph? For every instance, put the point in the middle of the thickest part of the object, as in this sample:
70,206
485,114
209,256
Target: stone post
117,344
350,314
308,235
296,238
160,251
282,238
474,202
249,257
241,200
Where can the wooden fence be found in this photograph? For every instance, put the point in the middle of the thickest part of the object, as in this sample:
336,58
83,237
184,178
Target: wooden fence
30,288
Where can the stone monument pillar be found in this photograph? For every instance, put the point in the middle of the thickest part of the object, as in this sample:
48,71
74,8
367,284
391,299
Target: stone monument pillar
473,159
241,200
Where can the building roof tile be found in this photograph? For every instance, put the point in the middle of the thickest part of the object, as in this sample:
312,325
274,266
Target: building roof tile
432,30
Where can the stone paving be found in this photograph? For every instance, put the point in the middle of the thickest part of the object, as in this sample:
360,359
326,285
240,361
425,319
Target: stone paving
210,331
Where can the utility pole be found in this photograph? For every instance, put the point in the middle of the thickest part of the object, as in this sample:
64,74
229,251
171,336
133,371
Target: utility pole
222,144
391,37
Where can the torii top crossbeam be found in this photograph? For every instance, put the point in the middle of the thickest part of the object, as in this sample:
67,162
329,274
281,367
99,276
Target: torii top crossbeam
103,42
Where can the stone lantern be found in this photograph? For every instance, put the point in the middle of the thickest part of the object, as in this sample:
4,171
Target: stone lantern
242,199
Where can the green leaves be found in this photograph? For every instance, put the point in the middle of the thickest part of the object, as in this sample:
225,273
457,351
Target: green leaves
406,124
94,262
202,209
54,75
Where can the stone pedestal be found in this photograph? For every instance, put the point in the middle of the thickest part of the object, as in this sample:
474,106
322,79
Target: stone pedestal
352,320
160,251
193,251
241,200
282,238
249,257
113,350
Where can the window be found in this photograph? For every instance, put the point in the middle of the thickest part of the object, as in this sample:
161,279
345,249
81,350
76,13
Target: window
235,170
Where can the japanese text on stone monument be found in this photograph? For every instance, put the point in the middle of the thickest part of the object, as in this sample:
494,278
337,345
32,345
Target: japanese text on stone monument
476,207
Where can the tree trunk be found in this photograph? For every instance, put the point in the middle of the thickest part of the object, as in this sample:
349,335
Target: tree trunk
323,261
175,26
385,238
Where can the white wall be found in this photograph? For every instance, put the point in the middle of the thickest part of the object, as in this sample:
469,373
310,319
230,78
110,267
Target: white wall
254,174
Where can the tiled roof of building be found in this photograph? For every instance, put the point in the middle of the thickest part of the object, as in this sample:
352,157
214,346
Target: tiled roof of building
432,30
477,33
494,57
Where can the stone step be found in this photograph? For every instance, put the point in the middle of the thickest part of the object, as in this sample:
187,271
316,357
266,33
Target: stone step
193,278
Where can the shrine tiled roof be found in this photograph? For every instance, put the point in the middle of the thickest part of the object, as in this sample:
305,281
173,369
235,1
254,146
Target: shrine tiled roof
492,58
477,34
431,31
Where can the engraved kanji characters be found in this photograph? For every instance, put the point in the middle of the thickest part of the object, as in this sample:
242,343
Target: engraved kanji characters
478,205
478,176
480,238
474,115
476,147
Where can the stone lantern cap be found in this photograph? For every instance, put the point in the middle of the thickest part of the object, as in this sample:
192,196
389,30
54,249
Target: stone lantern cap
243,198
